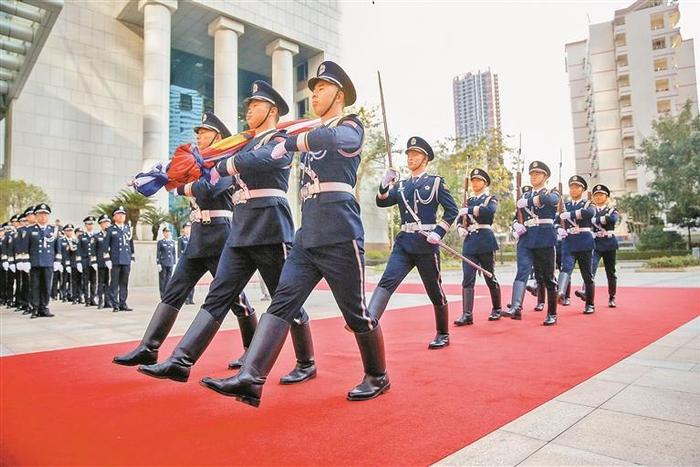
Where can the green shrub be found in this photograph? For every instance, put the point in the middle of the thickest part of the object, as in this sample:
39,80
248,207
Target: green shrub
672,262
655,238
632,255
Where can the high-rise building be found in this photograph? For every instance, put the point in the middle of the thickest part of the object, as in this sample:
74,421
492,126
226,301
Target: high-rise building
630,71
477,106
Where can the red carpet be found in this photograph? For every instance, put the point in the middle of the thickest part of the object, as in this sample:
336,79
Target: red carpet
75,407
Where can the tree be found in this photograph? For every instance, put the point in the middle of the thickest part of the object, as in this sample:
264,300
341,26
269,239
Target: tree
155,217
688,218
673,155
179,213
17,195
134,202
641,210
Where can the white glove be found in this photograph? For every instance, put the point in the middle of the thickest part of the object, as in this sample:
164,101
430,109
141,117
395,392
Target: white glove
12,268
94,266
521,203
109,264
56,266
27,267
561,233
463,212
433,238
519,229
5,265
390,176
278,151
565,216
160,268
462,232
68,269
79,267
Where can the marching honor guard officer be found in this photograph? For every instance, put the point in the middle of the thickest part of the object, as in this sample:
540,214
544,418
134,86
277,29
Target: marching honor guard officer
606,245
212,211
578,242
182,243
536,239
165,259
120,246
259,239
480,245
329,244
87,250
418,198
44,256
103,263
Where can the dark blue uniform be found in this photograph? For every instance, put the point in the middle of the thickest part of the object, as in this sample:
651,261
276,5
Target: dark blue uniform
480,246
43,251
87,250
104,265
70,262
535,248
604,220
120,247
577,246
165,258
182,243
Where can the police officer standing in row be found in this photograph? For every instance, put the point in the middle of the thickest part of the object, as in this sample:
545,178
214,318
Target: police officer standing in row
536,239
329,244
22,247
182,243
165,260
103,263
418,198
212,211
43,256
120,246
87,252
259,239
475,226
575,229
606,245
10,245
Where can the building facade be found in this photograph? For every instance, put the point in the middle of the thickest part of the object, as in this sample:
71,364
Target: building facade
120,83
630,71
477,106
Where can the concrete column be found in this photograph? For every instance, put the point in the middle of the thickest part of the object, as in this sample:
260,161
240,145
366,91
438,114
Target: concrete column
282,53
225,32
156,82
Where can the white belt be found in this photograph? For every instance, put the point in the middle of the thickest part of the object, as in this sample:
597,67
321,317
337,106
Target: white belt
605,233
205,216
474,227
311,189
242,196
575,230
534,222
416,227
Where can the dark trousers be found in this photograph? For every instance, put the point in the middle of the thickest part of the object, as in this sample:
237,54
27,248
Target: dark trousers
584,260
11,286
542,260
486,261
609,261
89,283
76,284
41,288
56,285
119,289
343,267
163,277
103,290
19,287
24,292
66,282
186,275
401,263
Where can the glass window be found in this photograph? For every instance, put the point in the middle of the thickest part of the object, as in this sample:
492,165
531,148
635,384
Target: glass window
185,102
303,72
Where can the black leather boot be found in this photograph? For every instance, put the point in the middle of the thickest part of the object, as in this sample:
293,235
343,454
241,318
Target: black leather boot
267,343
552,298
541,291
146,353
442,318
562,284
516,303
376,380
377,304
467,317
191,346
590,300
304,350
247,325
612,290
